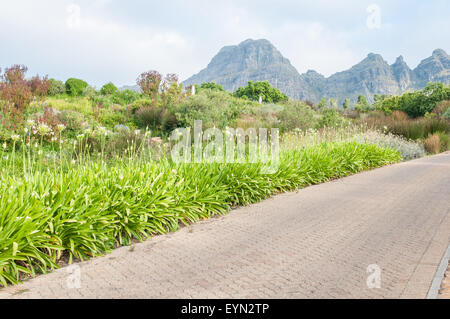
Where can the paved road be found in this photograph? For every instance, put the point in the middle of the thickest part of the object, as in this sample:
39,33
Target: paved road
317,242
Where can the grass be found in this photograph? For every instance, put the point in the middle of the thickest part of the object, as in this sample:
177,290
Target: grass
94,207
414,129
81,105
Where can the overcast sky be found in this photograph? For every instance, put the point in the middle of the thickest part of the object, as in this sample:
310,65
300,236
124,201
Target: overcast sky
115,40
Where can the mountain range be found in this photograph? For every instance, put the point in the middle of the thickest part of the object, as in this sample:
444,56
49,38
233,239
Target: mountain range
259,60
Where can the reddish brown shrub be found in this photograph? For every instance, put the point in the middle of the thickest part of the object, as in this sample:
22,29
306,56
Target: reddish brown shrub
40,86
149,83
14,89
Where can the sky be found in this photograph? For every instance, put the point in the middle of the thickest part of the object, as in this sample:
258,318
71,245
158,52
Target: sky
115,40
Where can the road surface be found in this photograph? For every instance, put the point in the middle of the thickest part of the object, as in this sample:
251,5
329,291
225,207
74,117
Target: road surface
318,242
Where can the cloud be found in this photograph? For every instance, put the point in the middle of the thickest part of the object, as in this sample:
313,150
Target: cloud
311,45
109,40
77,43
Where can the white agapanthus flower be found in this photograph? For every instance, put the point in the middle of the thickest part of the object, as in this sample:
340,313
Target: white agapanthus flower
15,137
43,129
102,130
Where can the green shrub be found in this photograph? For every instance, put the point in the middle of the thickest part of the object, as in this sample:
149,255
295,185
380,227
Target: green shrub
296,114
110,118
75,87
156,118
418,103
125,97
81,105
140,103
214,108
75,122
212,86
117,143
331,117
254,90
108,89
363,105
90,92
56,87
446,114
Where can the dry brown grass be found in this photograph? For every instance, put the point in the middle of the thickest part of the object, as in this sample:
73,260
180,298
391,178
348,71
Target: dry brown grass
245,122
432,144
399,116
419,128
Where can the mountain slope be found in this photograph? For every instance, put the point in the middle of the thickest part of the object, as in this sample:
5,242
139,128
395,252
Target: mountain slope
371,76
435,68
252,60
259,60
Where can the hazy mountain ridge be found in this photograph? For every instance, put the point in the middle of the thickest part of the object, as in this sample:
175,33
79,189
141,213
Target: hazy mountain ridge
251,60
259,60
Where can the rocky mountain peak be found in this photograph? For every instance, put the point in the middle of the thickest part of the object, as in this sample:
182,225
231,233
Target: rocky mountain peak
403,74
439,53
399,60
252,60
259,60
373,58
434,68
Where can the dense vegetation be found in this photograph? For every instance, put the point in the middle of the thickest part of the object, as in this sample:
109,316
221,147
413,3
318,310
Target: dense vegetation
418,103
92,207
256,90
83,171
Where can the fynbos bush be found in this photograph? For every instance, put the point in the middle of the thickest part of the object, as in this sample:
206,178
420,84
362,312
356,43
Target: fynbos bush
75,87
408,149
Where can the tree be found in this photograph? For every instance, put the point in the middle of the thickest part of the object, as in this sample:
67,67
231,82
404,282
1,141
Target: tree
417,103
75,87
378,100
322,103
212,86
149,83
254,90
423,101
171,90
15,89
346,104
108,89
362,105
333,102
